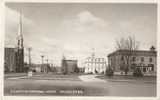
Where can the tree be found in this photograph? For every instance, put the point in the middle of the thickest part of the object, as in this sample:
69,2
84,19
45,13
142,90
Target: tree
96,71
54,69
76,70
128,44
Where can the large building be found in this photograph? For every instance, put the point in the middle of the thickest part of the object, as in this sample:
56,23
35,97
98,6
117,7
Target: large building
95,65
144,60
14,57
13,60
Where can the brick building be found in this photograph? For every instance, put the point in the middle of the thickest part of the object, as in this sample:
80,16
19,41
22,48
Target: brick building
144,60
9,60
69,66
14,57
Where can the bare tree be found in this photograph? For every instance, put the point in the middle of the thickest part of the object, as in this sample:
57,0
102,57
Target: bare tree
128,44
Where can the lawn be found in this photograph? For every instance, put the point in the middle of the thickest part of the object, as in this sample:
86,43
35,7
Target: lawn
151,79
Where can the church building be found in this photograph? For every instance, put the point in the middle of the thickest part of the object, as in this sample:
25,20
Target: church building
14,57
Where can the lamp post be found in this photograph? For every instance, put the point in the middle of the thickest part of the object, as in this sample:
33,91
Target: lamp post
47,66
42,69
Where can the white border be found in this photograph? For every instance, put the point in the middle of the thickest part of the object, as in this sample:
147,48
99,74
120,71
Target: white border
2,27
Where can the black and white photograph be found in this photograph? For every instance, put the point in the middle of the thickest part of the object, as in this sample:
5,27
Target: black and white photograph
80,49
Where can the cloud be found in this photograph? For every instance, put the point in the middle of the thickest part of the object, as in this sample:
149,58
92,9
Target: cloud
50,32
81,32
84,21
86,18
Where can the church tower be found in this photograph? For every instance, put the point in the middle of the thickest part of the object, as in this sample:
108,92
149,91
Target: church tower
93,53
20,48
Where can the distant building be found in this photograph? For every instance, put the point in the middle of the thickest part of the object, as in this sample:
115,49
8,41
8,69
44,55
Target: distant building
144,60
56,69
35,67
95,65
45,68
69,66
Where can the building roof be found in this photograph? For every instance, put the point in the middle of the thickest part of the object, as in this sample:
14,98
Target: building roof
135,52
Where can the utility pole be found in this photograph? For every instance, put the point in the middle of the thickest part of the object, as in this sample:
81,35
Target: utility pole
29,60
42,69
29,57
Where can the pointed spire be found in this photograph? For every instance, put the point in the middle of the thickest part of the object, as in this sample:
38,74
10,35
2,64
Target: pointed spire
20,36
20,24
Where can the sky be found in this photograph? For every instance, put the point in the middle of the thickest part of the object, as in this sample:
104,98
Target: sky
76,30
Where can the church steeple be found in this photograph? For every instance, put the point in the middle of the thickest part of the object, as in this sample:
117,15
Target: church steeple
20,48
20,36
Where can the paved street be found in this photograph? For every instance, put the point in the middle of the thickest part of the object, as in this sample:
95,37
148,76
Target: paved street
76,85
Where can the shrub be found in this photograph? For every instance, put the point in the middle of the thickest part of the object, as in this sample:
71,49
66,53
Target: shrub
109,72
137,72
76,70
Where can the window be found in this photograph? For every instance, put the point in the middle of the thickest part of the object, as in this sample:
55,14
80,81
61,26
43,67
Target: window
122,58
142,59
150,59
134,59
133,66
144,69
99,60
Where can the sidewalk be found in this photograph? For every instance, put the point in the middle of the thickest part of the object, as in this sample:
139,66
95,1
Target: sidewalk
10,75
90,78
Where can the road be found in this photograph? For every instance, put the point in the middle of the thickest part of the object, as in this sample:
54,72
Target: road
83,85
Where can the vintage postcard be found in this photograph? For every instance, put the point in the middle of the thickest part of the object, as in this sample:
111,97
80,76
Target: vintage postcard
80,49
